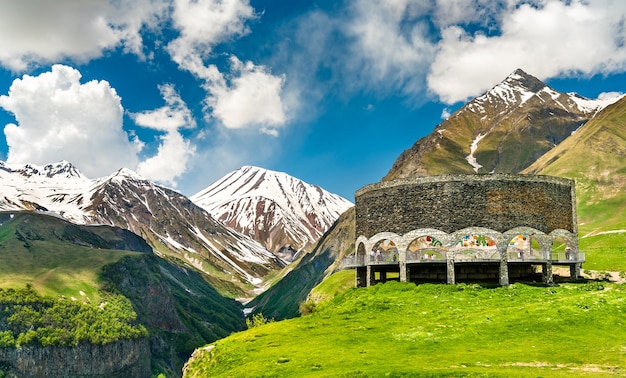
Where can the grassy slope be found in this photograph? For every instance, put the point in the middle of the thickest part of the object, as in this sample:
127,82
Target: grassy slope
283,299
52,266
595,156
400,329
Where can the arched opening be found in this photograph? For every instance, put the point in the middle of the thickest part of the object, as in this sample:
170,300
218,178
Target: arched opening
360,254
524,247
561,250
384,252
476,247
425,248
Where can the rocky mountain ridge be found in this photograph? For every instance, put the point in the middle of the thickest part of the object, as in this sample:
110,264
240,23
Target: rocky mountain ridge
504,130
283,213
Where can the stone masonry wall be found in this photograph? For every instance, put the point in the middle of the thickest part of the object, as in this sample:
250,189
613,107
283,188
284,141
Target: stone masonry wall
453,202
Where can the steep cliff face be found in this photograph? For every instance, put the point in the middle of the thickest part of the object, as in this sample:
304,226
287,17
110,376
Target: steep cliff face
125,358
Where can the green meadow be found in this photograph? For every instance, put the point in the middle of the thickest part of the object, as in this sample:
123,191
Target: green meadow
53,267
605,252
406,330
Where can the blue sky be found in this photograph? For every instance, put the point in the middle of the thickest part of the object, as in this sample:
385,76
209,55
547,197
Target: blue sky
331,92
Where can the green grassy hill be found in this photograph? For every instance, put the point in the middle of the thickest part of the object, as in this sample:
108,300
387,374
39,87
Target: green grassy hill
403,330
92,264
57,257
595,157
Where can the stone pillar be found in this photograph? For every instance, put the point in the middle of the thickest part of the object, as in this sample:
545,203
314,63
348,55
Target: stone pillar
504,267
450,270
546,273
403,271
370,275
574,271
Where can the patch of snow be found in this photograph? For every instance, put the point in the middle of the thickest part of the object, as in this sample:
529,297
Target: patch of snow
594,106
471,159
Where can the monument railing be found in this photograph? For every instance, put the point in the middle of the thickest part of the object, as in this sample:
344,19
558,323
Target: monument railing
565,257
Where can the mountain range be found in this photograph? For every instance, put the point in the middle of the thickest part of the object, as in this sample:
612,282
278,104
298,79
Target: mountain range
253,222
259,211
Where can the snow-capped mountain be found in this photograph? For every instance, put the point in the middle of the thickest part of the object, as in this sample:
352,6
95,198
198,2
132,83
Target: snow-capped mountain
504,130
169,221
283,213
519,88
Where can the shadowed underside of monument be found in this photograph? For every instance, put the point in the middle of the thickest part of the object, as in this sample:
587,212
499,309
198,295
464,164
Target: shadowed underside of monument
453,228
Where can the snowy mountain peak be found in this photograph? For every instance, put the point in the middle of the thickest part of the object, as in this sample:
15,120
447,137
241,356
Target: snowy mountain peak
519,88
124,174
274,208
61,169
515,90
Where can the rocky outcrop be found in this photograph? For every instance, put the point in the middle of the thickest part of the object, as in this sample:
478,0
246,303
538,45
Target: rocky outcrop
124,358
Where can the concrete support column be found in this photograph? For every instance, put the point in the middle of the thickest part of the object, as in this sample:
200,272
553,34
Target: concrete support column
450,271
574,271
504,268
370,276
403,271
546,273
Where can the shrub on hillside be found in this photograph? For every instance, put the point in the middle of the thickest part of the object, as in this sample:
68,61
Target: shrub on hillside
26,318
307,307
257,320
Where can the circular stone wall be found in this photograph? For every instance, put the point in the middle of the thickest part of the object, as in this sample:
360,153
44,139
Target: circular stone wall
453,202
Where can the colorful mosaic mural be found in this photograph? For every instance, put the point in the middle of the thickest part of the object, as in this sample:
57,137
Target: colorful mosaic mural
423,242
476,241
521,241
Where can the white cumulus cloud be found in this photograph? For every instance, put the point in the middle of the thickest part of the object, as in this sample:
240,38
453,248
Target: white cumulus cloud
60,118
547,39
174,151
170,161
38,32
202,25
251,99
247,96
391,47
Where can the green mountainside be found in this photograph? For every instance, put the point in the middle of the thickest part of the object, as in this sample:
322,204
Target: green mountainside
595,157
512,125
57,257
70,263
284,298
407,330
